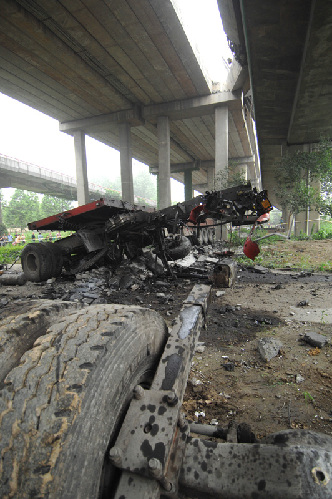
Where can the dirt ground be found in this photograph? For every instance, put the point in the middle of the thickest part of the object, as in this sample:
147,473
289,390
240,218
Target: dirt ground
229,380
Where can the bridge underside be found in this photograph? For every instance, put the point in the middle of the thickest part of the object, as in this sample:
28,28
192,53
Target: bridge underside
286,46
93,67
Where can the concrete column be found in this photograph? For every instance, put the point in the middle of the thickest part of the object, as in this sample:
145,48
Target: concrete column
221,158
254,169
314,216
81,168
210,179
188,185
288,221
251,174
164,176
221,147
126,163
307,222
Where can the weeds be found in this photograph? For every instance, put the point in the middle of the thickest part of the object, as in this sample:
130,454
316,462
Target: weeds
308,398
323,317
285,254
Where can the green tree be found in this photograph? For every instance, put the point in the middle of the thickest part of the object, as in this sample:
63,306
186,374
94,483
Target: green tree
3,229
22,208
144,186
51,205
297,175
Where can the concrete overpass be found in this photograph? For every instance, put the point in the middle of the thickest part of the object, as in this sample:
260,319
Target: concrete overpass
127,75
27,176
286,48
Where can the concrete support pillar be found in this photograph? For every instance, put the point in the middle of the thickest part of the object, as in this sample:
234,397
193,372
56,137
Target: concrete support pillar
210,179
221,158
81,168
164,176
251,174
188,185
307,222
254,169
127,183
221,147
314,215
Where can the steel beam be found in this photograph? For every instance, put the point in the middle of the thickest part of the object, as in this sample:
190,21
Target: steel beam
293,464
152,438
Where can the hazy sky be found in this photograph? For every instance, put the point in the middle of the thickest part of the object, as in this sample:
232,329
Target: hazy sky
31,136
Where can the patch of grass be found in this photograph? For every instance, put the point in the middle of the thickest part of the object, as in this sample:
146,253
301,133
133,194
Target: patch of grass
325,231
9,254
282,255
325,267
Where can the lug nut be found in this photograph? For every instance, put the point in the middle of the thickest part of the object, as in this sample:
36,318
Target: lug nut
155,467
138,392
172,399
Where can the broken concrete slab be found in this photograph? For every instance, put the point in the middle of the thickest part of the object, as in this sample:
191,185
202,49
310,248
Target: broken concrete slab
315,339
268,348
187,261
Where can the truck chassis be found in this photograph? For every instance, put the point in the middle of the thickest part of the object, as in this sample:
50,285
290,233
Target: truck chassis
107,229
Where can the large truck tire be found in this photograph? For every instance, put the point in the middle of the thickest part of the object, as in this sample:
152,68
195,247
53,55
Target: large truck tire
19,331
56,258
61,408
37,262
177,247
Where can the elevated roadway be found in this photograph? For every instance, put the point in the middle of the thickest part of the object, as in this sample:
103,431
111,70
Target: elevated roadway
126,74
27,176
286,48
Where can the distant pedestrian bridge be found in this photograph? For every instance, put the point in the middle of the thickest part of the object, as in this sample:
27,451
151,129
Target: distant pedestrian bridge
27,176
30,177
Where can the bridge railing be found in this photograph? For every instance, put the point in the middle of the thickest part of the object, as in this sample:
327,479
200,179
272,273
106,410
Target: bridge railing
34,170
30,169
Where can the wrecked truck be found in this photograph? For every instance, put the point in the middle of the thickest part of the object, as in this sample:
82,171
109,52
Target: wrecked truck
90,401
107,229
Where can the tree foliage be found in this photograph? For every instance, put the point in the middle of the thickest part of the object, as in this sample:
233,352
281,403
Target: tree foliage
3,229
50,205
297,175
25,207
21,209
144,186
